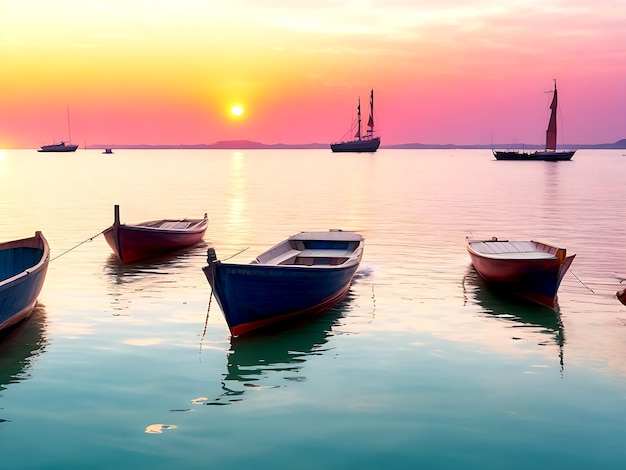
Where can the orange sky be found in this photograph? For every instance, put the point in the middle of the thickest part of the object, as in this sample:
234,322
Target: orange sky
168,72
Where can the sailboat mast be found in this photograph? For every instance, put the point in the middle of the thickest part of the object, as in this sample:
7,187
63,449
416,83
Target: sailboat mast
370,122
69,130
551,131
358,131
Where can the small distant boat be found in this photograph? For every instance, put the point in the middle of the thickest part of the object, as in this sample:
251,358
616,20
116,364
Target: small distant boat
621,296
305,274
62,146
156,237
23,267
108,151
550,153
361,143
530,269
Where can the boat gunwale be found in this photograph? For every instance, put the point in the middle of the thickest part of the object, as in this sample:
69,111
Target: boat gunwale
197,226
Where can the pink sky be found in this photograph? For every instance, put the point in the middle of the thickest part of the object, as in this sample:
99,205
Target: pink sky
168,72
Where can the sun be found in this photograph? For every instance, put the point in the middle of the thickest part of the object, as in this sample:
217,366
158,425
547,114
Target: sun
236,110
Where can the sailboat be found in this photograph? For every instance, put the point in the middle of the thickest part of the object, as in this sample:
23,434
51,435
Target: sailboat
61,146
361,143
550,153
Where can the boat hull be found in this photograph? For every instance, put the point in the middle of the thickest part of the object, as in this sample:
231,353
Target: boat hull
537,280
23,268
58,148
269,291
545,156
134,242
363,145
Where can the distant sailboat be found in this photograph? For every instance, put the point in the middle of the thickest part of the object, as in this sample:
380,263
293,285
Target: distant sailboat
361,143
550,153
61,146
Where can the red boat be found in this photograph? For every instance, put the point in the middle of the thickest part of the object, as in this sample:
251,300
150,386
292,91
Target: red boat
530,269
146,239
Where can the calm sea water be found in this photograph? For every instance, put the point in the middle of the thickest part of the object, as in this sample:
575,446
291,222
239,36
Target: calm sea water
421,367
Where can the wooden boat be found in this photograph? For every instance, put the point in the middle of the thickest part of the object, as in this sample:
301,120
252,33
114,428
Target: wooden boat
531,269
146,239
23,267
550,153
305,274
621,296
62,146
361,143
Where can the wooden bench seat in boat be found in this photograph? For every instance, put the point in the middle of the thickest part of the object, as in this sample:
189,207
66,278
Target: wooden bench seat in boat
283,258
177,225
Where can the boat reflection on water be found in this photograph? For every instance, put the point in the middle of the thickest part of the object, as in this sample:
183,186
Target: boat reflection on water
275,358
168,263
20,345
151,277
530,321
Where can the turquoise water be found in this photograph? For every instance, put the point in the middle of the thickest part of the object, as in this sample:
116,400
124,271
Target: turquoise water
422,366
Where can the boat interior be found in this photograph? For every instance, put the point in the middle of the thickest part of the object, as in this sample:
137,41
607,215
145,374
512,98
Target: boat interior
514,249
170,224
16,260
309,253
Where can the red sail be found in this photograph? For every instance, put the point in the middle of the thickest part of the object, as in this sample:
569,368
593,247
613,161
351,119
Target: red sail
551,131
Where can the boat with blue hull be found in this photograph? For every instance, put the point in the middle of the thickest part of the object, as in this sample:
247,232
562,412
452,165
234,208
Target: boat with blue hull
305,274
530,269
23,267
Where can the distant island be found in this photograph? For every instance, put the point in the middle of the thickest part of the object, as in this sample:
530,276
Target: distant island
250,145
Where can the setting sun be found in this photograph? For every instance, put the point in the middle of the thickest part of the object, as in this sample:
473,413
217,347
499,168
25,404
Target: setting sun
236,110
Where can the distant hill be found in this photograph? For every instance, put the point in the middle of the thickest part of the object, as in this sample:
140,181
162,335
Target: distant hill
249,145
223,144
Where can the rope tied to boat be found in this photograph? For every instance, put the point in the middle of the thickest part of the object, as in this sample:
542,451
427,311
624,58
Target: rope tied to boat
238,253
206,320
581,281
81,243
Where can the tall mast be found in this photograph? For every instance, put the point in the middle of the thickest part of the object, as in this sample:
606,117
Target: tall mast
370,122
551,131
69,131
358,131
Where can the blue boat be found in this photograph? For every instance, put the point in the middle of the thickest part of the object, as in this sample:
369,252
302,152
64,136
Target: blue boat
23,267
305,274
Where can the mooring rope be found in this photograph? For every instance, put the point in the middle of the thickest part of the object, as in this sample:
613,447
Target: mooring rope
238,253
581,282
373,304
206,320
84,241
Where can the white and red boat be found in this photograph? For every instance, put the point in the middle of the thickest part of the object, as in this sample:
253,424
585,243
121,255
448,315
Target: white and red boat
530,269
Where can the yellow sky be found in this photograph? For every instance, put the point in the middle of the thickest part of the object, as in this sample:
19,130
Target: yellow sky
298,69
